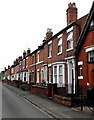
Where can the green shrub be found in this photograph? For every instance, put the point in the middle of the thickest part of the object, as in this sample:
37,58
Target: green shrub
24,87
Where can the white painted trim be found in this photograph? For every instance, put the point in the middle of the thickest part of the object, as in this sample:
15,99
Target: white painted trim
38,70
59,53
71,57
44,65
49,57
69,49
91,48
49,65
38,51
59,36
63,73
32,65
55,63
70,29
80,77
80,63
39,62
49,42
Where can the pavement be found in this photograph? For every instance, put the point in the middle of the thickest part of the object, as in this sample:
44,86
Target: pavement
51,107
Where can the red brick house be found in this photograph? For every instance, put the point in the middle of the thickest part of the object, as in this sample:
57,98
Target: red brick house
85,52
54,62
59,60
7,74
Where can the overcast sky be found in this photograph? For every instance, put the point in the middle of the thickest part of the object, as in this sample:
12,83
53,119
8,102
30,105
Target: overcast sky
23,24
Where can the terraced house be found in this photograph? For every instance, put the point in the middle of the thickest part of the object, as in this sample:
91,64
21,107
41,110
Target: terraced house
53,65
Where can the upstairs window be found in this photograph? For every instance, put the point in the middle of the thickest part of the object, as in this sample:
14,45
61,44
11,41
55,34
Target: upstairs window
38,56
70,40
49,50
59,45
33,76
91,56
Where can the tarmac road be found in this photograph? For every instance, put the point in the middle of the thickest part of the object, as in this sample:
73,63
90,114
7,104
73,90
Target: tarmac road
14,106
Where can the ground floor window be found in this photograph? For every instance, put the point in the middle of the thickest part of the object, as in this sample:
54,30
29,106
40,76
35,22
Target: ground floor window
25,76
55,74
33,76
59,74
50,74
38,76
45,74
18,76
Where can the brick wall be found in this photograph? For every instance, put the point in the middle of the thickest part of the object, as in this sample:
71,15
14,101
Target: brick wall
87,68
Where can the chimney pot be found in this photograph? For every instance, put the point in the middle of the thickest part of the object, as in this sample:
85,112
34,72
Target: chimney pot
20,58
71,13
28,51
24,54
49,34
8,66
5,68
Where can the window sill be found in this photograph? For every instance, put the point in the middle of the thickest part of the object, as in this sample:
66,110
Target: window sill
49,57
69,49
59,53
80,77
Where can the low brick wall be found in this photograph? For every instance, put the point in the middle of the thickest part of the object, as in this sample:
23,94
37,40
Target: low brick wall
63,100
40,90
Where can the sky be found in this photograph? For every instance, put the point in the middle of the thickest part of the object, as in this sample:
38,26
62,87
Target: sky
24,23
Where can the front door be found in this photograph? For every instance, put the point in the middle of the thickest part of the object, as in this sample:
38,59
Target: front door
70,77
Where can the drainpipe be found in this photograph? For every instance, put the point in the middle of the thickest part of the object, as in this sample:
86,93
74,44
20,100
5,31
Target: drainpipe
77,80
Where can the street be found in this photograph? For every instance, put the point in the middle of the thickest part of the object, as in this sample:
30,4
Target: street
15,107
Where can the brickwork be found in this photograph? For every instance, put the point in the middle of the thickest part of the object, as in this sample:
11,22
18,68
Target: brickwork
88,76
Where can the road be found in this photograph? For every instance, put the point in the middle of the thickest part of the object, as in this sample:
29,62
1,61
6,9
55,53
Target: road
14,106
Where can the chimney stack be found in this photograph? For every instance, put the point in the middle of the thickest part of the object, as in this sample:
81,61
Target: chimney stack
49,34
5,68
20,58
24,54
28,51
8,67
14,62
71,13
17,61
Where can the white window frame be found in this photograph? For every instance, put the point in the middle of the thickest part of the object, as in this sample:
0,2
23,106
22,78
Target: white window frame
50,74
58,75
45,74
91,55
70,38
50,49
59,45
38,76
